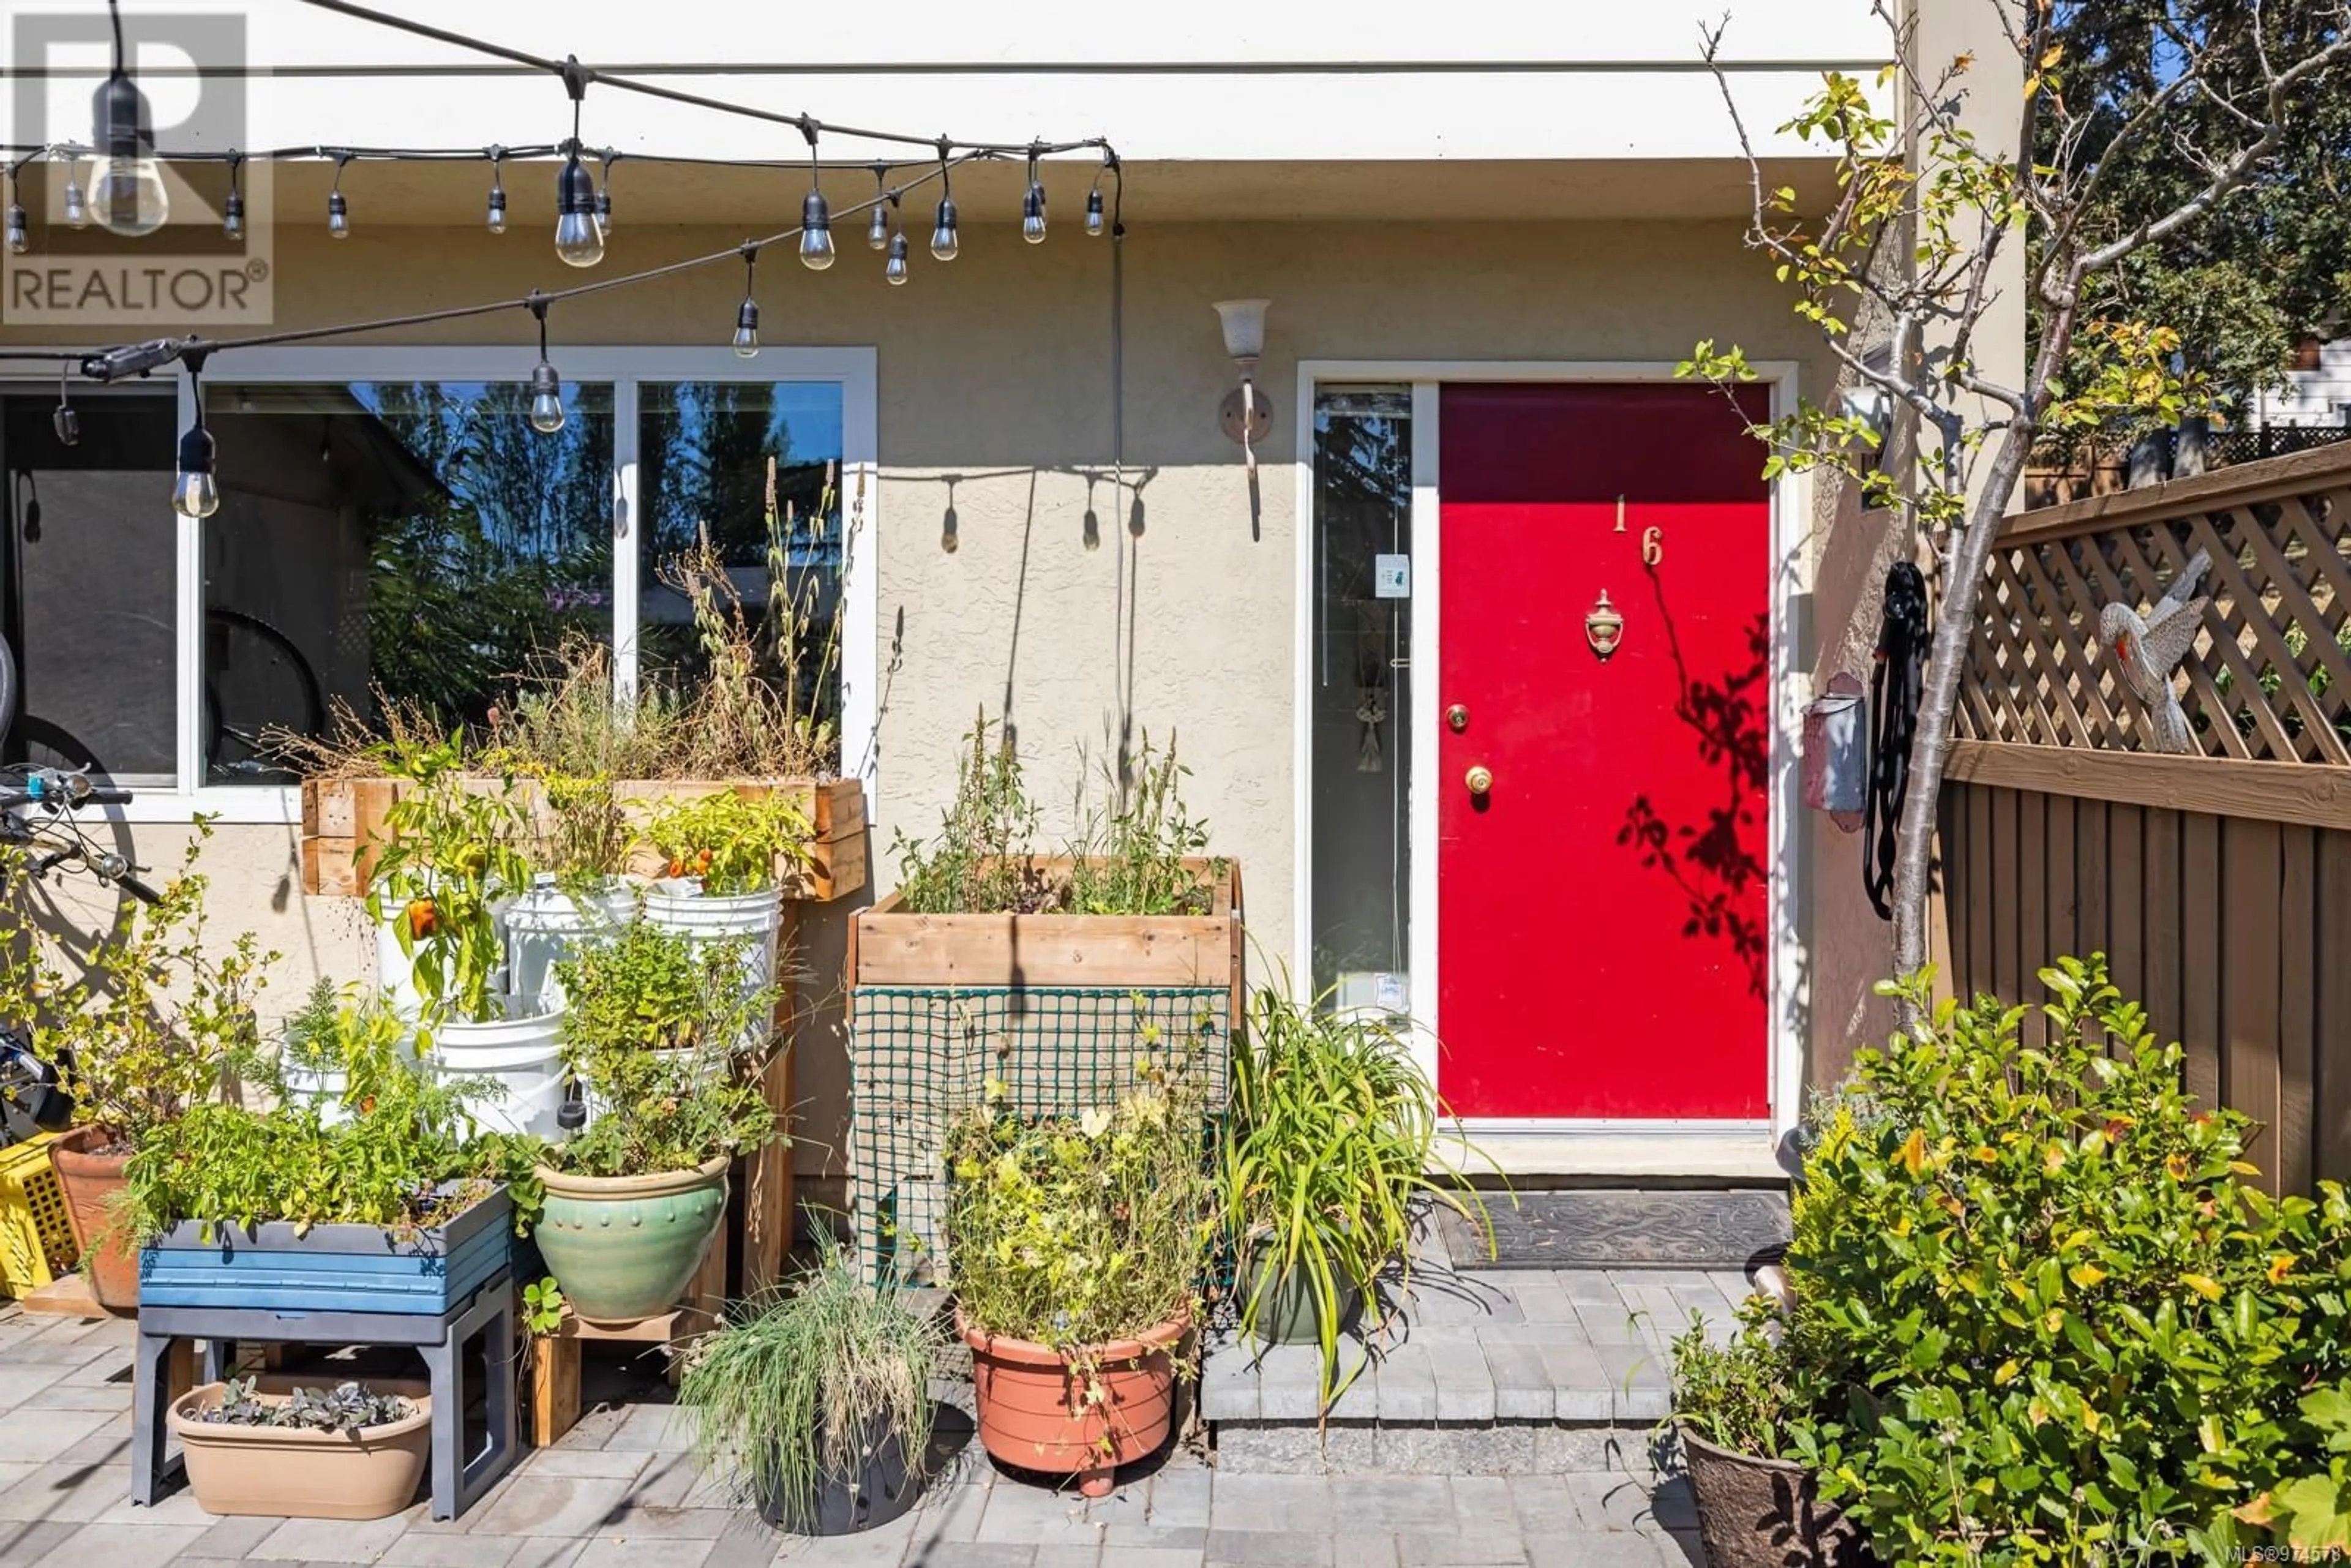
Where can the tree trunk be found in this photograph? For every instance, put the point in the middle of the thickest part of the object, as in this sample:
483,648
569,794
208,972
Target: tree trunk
1955,624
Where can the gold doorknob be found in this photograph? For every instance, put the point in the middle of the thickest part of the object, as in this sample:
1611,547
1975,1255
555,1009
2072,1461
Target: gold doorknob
1479,778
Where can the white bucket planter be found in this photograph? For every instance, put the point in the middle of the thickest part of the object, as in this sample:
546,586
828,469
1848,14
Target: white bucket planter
522,1058
679,904
547,925
319,1087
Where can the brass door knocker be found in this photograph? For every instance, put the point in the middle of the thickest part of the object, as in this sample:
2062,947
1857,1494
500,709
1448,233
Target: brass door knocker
1603,627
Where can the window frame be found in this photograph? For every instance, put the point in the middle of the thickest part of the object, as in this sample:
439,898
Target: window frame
624,369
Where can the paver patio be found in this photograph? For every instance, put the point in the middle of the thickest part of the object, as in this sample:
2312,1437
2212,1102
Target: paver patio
620,1488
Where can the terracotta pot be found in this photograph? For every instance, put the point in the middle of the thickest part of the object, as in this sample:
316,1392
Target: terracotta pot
623,1248
1754,1512
91,1184
1034,1413
287,1472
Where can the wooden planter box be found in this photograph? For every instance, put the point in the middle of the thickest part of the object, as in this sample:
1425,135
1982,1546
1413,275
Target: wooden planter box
1050,1006
333,1268
342,818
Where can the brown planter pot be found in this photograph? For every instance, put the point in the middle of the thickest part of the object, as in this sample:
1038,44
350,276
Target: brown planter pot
287,1472
1034,1415
92,1182
1755,1512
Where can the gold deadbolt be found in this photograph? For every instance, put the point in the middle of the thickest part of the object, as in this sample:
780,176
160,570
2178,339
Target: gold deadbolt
1456,718
1479,778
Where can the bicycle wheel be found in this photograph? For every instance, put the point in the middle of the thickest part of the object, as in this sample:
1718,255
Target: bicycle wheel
37,742
256,682
7,688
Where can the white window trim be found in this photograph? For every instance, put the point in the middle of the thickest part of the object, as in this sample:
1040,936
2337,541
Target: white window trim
854,369
1791,582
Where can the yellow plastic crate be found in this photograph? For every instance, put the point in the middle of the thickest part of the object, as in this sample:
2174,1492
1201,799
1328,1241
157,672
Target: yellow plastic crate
37,1242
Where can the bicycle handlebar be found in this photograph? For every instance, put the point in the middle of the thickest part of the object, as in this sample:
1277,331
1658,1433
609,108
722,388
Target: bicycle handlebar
107,798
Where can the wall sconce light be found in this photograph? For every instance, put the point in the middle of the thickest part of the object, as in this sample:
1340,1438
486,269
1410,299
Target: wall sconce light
1245,416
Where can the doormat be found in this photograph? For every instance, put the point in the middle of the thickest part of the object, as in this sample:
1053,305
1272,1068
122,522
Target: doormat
1614,1230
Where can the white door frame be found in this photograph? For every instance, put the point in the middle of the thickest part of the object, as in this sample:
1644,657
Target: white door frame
622,367
1791,581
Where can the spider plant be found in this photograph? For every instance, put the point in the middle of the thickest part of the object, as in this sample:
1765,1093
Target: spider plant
1334,1134
797,1393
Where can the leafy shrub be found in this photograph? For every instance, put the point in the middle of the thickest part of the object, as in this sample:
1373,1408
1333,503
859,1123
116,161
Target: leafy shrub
1739,1396
979,860
668,1038
731,842
345,1407
784,1391
148,1023
1071,1232
1128,858
2056,1324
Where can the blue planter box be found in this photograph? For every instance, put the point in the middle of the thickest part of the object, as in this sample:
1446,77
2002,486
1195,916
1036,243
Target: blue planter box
334,1267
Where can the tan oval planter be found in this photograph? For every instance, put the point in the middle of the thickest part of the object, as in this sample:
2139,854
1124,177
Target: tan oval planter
1034,1416
92,1182
285,1471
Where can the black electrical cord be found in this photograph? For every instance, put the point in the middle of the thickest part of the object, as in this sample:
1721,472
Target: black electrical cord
1894,689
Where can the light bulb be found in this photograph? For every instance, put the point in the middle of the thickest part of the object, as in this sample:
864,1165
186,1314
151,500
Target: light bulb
877,229
66,423
746,330
77,207
577,241
126,188
1094,212
19,239
338,216
895,270
194,494
547,397
1032,215
816,233
944,246
497,214
233,215
604,211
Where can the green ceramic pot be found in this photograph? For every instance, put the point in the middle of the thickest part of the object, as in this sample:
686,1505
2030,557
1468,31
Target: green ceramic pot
623,1248
1285,1305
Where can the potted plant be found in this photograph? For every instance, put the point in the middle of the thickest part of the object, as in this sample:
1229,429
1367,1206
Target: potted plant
1078,1243
1733,1407
818,1402
723,859
1333,1136
348,1452
142,1031
668,1038
578,887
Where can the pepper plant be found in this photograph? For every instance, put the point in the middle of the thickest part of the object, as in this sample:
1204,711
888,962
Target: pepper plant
453,851
732,843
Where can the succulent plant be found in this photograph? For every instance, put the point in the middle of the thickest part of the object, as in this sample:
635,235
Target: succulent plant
345,1407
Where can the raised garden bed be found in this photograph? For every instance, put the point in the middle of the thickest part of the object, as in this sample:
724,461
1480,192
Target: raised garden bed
332,1268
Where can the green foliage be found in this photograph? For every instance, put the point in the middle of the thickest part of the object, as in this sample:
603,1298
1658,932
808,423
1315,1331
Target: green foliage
669,1038
151,1023
542,1306
1333,1135
1739,1396
2054,1323
348,1408
453,851
786,1391
1072,1231
732,842
1128,858
980,858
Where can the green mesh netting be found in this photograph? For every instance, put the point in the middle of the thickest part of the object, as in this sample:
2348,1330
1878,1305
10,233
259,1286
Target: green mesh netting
920,1054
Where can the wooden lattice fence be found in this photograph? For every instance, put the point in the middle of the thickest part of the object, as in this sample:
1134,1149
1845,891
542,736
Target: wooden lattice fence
2217,882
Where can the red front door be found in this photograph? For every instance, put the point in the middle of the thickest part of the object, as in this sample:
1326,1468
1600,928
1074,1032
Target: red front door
1602,908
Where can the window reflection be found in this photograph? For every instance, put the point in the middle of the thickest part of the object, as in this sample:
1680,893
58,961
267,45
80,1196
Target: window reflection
400,542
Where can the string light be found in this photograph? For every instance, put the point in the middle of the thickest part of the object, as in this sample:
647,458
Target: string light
944,245
62,418
816,216
579,239
1094,197
233,210
604,194
1032,205
747,318
895,270
877,231
545,386
77,206
20,239
497,208
194,494
339,210
126,187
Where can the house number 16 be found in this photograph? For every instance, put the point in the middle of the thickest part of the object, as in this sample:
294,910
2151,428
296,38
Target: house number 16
1653,545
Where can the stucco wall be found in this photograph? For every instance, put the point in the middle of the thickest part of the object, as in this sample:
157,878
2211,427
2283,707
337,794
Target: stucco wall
996,371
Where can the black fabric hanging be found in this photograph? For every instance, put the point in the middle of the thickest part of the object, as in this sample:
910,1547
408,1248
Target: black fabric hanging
1894,686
